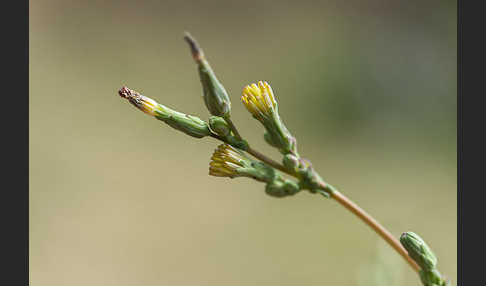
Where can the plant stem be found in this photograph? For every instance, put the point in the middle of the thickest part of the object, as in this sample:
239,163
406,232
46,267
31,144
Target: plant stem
269,161
258,155
375,225
233,127
345,202
351,206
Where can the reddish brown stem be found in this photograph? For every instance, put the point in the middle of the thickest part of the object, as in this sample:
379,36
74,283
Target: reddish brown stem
352,207
233,128
349,205
375,225
267,160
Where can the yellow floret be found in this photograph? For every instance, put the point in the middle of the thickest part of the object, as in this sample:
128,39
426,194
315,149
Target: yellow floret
259,99
225,161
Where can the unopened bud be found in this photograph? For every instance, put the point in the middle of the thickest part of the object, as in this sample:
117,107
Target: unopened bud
418,250
281,187
219,126
215,96
431,278
290,161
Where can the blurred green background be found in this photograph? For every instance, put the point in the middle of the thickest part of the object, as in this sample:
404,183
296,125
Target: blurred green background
117,198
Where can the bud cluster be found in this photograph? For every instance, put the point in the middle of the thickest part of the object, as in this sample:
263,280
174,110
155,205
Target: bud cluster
259,100
229,159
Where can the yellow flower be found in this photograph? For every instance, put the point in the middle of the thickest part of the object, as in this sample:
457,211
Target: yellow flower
141,102
259,100
225,162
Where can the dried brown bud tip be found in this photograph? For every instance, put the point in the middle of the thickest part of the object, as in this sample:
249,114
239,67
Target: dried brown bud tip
196,51
143,103
125,92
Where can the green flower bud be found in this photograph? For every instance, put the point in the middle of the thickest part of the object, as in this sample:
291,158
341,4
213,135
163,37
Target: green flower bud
215,96
191,125
311,181
291,162
219,126
418,250
431,278
282,187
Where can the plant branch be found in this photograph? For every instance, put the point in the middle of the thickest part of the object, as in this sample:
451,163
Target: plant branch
259,156
269,161
219,106
374,224
351,206
345,202
233,128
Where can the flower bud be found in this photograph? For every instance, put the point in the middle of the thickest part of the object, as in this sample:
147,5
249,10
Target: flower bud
219,126
431,278
290,161
228,161
282,187
418,250
260,101
215,96
191,125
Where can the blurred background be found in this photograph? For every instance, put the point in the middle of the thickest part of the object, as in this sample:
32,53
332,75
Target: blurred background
118,198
